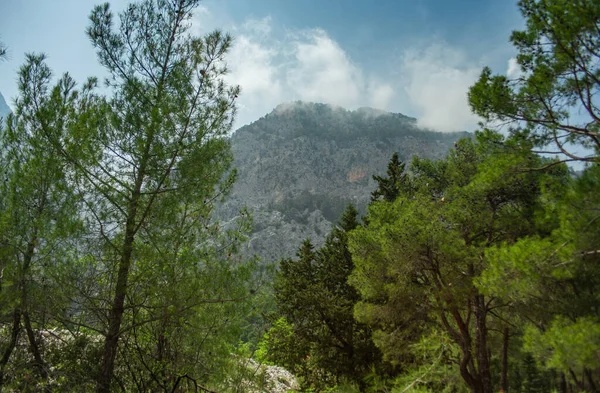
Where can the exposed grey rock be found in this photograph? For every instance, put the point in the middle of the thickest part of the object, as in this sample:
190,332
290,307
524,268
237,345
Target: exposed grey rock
268,379
4,108
300,166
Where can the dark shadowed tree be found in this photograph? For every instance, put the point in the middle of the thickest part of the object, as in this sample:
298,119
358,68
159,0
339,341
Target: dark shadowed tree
390,187
314,297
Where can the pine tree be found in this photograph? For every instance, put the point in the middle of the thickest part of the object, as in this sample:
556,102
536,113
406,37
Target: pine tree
314,297
551,103
38,215
390,187
163,161
532,378
146,166
294,281
558,61
418,257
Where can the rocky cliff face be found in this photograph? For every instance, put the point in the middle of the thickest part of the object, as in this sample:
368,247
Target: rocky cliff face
300,165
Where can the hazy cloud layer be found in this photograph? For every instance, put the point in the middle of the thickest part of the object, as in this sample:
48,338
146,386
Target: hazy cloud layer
274,67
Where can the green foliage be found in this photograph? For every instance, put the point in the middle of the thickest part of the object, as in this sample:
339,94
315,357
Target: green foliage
106,222
553,278
39,224
532,378
164,163
418,257
435,369
115,275
558,55
565,344
279,346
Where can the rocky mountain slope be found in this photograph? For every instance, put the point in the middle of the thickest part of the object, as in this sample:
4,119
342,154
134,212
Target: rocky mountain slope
4,109
300,165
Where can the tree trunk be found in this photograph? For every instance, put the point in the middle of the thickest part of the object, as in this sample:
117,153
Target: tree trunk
33,345
588,376
563,383
35,349
463,338
116,312
473,383
111,341
504,373
481,347
578,383
17,313
14,335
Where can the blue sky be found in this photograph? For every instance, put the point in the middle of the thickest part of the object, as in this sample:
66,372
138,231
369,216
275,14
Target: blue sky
415,57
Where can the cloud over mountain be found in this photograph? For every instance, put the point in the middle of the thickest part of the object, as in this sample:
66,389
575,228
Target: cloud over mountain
274,65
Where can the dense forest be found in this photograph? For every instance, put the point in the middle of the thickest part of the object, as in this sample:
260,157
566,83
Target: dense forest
478,272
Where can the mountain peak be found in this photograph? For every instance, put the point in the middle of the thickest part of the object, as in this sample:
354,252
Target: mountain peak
308,107
305,106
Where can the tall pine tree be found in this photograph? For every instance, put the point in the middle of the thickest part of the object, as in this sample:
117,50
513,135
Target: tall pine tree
389,188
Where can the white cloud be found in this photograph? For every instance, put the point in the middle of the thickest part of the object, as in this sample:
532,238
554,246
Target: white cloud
307,65
322,71
514,69
202,13
380,95
260,27
253,68
274,67
437,81
253,64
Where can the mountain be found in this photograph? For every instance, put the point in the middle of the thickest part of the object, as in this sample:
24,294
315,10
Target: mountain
4,109
300,165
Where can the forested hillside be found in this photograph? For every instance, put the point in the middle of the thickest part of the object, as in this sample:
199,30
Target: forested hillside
147,247
303,163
